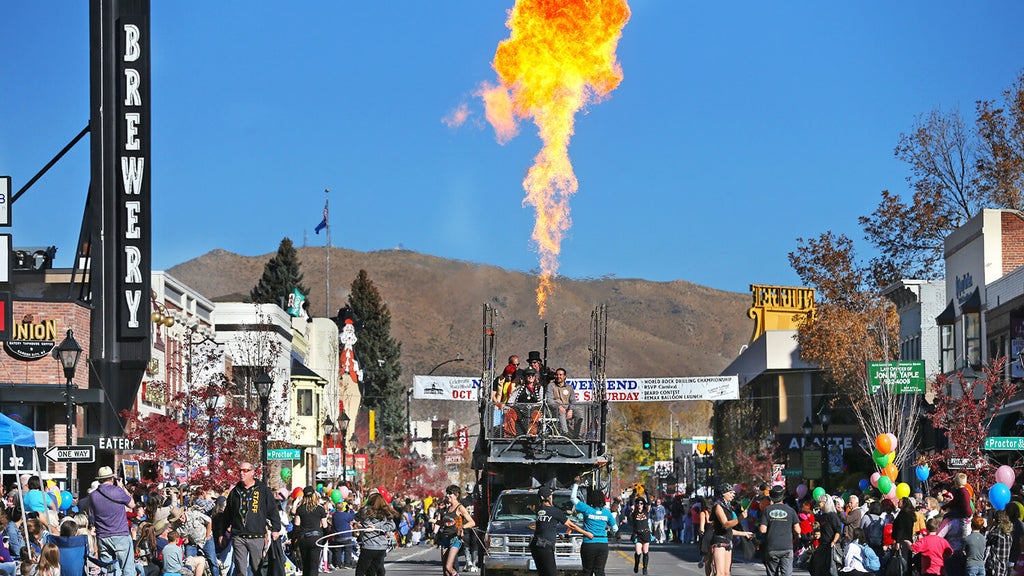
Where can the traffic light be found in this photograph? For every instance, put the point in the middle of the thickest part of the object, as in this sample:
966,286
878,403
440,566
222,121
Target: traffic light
645,440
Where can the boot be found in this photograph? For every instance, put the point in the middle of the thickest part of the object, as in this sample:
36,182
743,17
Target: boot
645,563
636,563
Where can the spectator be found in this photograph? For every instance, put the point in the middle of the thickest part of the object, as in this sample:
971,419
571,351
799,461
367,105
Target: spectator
997,545
935,550
113,536
974,547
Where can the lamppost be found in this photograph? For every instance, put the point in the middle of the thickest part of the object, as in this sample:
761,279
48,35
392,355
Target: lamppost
343,421
67,354
212,398
458,358
807,428
825,418
263,384
329,430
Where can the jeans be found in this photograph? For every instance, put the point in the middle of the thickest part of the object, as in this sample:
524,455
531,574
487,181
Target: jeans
209,551
119,549
975,571
226,556
11,568
779,563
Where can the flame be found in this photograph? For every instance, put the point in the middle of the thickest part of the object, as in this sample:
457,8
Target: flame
559,57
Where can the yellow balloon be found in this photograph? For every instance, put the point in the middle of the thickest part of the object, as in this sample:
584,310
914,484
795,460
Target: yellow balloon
892,457
902,490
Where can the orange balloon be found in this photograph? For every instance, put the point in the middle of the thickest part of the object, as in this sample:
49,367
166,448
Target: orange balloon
883,443
890,471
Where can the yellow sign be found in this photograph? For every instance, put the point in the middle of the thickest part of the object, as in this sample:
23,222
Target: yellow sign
779,307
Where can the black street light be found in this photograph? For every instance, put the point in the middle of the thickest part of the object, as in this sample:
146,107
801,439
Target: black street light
458,358
263,384
67,354
212,399
343,422
825,418
329,430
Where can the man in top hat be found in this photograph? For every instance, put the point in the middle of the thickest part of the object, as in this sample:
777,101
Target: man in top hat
780,524
544,374
107,506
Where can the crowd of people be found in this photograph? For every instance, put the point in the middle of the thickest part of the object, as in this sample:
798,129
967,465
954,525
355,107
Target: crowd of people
949,532
152,529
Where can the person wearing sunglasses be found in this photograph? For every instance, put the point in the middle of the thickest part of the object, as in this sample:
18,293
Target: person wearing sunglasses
250,510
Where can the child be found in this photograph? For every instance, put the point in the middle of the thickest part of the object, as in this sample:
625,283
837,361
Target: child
933,548
49,561
174,556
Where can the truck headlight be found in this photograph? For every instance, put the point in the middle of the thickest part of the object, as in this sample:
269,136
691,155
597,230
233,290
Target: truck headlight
496,541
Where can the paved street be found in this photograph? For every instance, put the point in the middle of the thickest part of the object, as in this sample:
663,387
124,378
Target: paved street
665,559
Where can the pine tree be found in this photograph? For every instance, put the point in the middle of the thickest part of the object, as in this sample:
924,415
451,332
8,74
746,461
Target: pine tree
281,275
379,354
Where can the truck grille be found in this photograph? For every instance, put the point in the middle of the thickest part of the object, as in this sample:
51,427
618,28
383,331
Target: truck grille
519,544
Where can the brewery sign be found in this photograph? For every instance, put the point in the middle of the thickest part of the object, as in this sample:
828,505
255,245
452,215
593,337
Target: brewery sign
31,340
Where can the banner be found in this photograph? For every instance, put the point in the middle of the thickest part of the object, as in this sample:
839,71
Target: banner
618,390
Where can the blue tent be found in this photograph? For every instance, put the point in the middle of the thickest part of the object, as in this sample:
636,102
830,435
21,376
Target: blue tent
13,432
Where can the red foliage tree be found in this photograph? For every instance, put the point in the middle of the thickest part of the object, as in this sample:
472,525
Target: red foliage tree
405,476
965,417
756,467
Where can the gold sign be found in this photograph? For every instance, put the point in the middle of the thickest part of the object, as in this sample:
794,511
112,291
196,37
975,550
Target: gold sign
779,307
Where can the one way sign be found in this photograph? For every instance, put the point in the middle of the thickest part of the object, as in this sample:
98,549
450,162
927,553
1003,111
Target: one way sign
83,454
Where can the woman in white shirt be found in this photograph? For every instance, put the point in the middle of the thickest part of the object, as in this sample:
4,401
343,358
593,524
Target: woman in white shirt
860,559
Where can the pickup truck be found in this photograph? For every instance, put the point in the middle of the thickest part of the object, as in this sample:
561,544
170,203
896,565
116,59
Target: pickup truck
510,530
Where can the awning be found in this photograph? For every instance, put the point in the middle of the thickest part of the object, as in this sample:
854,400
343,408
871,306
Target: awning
973,302
301,372
13,432
1006,424
948,315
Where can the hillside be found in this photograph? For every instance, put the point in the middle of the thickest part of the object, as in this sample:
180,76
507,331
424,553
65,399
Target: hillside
655,328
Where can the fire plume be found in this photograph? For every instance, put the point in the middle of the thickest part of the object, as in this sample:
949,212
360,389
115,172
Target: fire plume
559,57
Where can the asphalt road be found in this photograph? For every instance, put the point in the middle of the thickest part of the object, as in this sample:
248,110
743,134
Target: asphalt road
665,560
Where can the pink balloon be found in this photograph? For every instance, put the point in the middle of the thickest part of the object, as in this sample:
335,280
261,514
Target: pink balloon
892,491
874,479
801,491
1006,475
344,492
892,439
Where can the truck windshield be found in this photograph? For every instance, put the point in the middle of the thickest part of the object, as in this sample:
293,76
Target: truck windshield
524,506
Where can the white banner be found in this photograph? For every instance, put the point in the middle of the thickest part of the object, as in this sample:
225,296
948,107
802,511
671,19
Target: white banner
619,390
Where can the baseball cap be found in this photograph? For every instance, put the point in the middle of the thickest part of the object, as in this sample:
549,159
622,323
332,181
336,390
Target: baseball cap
544,492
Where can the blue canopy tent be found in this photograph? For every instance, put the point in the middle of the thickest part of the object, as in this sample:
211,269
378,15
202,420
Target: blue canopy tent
14,433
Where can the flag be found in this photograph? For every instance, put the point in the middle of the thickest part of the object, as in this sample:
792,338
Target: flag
323,223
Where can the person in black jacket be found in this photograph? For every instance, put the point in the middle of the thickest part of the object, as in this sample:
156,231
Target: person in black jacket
250,508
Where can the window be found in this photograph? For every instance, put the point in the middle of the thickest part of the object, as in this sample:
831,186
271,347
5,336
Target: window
947,349
972,338
304,400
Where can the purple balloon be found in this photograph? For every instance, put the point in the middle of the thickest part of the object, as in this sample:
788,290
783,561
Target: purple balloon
1005,475
801,491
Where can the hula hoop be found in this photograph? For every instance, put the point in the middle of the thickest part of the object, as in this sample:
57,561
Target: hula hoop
321,544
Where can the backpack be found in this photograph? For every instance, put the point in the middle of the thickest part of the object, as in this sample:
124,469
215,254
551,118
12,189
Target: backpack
871,561
873,530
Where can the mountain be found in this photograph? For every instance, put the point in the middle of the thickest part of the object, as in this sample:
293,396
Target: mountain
654,328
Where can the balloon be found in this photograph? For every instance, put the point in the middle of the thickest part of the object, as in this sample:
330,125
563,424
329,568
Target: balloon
818,493
902,490
801,491
846,497
336,496
66,500
1005,475
891,457
864,484
1015,510
745,503
874,479
999,495
892,442
286,474
891,471
923,471
887,535
883,443
344,492
319,487
884,484
881,460
296,493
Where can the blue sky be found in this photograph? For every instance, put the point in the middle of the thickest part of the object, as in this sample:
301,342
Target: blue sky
738,128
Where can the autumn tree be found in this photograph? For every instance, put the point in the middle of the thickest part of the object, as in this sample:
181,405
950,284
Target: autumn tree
956,169
380,356
853,325
738,433
281,275
964,408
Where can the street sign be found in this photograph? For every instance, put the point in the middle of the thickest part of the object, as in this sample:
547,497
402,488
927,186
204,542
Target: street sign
1004,443
284,454
83,454
902,377
793,472
642,468
5,201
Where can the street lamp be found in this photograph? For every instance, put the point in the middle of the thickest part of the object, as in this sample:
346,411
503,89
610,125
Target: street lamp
263,384
212,398
67,354
458,358
825,418
343,421
329,430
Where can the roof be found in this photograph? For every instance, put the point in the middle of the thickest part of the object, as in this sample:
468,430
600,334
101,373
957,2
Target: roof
301,372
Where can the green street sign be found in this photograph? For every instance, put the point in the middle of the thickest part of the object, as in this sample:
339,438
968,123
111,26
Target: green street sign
793,472
902,377
642,468
1004,443
284,454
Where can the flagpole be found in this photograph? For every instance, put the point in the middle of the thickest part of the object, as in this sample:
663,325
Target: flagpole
327,300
